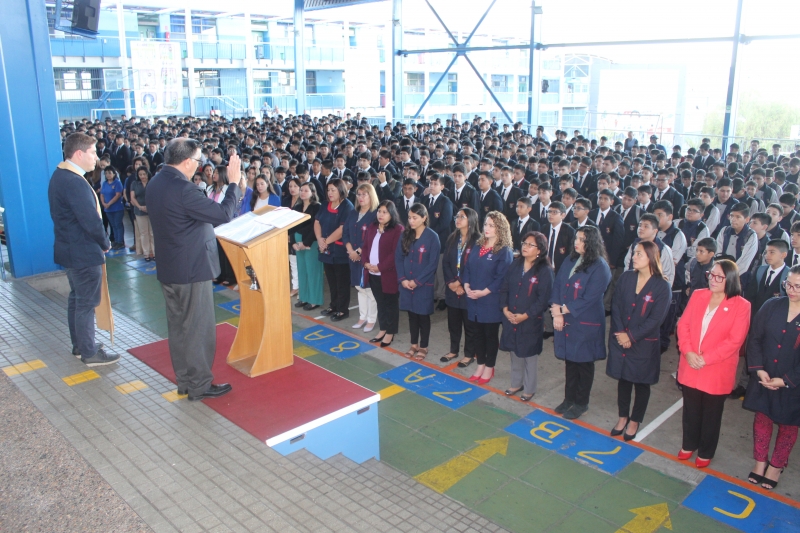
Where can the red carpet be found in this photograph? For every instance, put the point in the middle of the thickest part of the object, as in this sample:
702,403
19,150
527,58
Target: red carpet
271,404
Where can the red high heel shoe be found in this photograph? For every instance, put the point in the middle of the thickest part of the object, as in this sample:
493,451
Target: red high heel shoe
484,381
475,377
684,455
702,463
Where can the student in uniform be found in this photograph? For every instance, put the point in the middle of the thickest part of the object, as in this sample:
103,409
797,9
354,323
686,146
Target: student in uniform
698,267
355,228
773,358
482,277
489,200
440,213
641,301
378,258
710,334
463,194
328,228
456,251
417,258
525,296
579,318
523,225
738,240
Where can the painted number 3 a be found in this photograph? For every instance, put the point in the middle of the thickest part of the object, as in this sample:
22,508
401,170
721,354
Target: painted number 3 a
346,345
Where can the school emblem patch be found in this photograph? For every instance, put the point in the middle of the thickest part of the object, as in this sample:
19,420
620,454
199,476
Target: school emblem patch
562,250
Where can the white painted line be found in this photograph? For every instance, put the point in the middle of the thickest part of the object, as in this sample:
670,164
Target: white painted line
323,316
660,419
292,433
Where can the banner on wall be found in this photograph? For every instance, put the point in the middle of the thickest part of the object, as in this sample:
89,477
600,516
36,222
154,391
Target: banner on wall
159,87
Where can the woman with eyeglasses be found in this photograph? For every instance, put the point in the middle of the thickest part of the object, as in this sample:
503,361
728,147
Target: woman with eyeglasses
773,360
524,297
483,276
579,317
355,228
710,333
640,304
456,251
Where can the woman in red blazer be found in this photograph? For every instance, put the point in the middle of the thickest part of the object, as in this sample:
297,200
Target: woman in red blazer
380,270
711,331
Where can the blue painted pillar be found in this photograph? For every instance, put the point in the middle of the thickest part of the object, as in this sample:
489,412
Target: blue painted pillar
397,61
729,125
30,146
300,56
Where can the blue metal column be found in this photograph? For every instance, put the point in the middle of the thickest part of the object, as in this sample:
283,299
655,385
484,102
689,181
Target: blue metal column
530,71
397,60
730,119
30,147
300,56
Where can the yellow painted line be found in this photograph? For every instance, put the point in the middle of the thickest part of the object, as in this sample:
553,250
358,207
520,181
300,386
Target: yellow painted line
390,391
133,386
304,351
83,377
173,395
648,519
444,476
21,368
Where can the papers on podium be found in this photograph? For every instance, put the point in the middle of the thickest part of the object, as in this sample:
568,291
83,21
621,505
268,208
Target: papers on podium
250,225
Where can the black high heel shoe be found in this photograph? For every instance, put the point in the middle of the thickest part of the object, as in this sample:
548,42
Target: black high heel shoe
618,432
385,344
378,339
767,483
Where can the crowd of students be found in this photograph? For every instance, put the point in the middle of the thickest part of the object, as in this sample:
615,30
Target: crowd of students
521,238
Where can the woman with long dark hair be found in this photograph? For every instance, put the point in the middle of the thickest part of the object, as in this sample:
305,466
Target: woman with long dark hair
219,184
525,297
328,228
309,268
140,210
711,331
417,259
579,317
483,276
457,250
639,306
263,194
378,257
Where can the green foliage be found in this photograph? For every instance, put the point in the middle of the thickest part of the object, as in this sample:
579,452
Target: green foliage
756,118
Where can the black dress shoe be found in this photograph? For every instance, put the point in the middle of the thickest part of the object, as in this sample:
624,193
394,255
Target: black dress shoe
336,317
309,307
328,311
617,432
547,334
738,392
300,304
214,391
442,305
183,392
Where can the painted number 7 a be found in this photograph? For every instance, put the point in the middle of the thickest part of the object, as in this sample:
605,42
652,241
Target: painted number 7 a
588,455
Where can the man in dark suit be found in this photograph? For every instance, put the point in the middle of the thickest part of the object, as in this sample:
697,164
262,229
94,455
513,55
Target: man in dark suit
120,155
703,160
462,194
510,193
559,235
581,208
406,200
80,244
524,222
489,199
665,191
183,220
154,155
340,170
542,203
440,220
630,213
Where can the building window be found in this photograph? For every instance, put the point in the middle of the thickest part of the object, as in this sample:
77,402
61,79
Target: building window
311,81
76,84
205,28
177,24
552,85
552,64
576,66
206,83
499,83
452,83
353,40
548,118
523,84
573,117
415,82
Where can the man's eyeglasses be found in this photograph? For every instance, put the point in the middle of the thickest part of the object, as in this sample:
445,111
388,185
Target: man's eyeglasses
715,277
199,161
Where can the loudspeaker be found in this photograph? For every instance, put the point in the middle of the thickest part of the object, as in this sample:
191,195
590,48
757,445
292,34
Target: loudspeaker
86,15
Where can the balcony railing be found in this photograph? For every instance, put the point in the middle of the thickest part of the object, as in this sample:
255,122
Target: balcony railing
576,98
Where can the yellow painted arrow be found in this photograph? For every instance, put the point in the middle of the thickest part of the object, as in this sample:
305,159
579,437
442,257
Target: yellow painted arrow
648,519
447,474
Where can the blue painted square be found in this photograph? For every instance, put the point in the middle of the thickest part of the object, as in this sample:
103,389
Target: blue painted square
576,442
741,508
220,287
117,253
234,306
332,342
437,386
139,263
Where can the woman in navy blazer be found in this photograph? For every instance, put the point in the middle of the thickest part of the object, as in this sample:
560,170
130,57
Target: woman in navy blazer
377,256
579,317
486,268
641,301
328,228
457,250
525,296
417,258
355,227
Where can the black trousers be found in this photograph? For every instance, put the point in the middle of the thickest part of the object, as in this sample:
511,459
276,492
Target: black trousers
702,420
339,283
456,321
420,326
388,306
84,295
487,341
578,387
226,272
624,390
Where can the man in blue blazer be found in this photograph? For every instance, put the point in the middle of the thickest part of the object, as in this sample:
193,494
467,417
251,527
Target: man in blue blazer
80,244
183,221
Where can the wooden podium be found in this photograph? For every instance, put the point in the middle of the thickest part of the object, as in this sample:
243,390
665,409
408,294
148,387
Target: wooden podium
263,341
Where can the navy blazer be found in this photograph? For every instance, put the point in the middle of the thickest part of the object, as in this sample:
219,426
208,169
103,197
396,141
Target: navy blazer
80,240
486,272
613,234
640,316
354,232
525,293
183,221
440,216
419,266
452,272
491,202
774,346
583,338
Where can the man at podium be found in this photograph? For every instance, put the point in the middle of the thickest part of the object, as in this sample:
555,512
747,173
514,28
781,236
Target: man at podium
183,221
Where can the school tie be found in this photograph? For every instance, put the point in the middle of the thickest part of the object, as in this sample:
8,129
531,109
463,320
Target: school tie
483,195
544,212
520,226
408,204
796,257
602,219
505,193
552,246
769,278
432,201
458,195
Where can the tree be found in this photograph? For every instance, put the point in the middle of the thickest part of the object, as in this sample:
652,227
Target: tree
756,118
